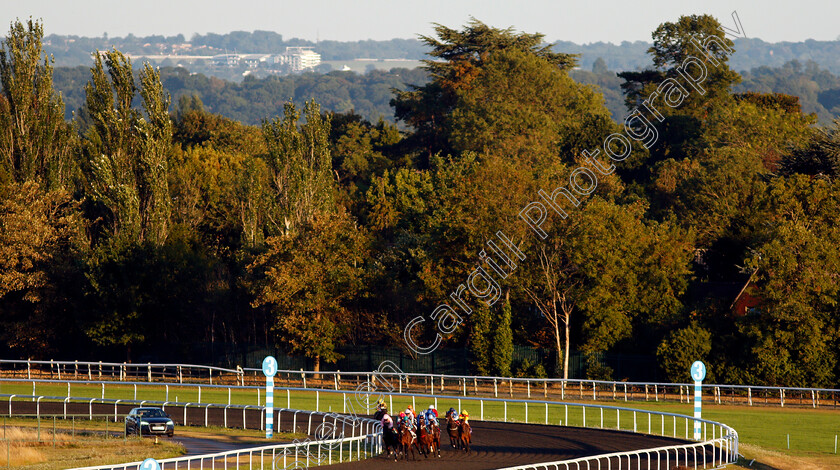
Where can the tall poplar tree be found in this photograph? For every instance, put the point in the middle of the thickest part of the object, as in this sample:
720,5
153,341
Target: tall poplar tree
35,141
127,152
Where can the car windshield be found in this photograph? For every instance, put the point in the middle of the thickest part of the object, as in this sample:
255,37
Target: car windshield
152,414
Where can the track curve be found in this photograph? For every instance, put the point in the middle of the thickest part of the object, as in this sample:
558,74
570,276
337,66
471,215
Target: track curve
495,444
499,445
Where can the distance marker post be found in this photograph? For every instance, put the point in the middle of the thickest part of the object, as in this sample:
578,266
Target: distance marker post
698,373
150,464
269,368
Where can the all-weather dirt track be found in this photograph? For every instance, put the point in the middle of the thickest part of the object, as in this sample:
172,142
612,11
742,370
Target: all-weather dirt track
494,444
499,445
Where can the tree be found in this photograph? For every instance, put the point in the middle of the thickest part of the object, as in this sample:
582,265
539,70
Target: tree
680,121
36,142
306,278
39,235
681,348
609,271
503,342
672,45
792,338
301,167
480,342
127,155
457,59
554,298
542,116
820,155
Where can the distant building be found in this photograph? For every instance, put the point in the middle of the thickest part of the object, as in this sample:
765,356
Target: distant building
302,58
229,60
255,60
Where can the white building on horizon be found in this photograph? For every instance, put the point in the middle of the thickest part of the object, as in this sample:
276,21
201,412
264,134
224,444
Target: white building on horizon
301,58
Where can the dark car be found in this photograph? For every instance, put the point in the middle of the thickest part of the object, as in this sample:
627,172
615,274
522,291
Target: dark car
148,421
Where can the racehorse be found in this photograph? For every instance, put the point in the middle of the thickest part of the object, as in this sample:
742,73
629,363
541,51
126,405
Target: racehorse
452,429
392,441
406,441
436,439
425,439
465,435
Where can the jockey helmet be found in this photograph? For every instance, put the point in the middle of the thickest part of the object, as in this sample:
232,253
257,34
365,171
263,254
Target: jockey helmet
464,412
402,415
431,407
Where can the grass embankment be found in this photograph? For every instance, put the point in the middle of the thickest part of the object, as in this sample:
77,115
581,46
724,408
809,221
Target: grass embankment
20,448
763,430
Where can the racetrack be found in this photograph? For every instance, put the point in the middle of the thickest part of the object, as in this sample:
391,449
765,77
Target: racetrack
494,444
499,445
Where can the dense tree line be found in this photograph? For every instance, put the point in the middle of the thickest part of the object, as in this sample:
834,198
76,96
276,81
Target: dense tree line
750,52
369,94
142,228
251,100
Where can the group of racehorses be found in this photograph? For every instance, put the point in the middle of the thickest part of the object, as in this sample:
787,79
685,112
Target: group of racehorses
427,442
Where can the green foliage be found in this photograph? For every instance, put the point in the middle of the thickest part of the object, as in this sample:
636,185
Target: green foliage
40,233
596,369
820,155
794,339
816,87
300,166
35,142
318,230
126,170
502,352
525,368
680,348
306,280
458,58
480,341
541,111
147,294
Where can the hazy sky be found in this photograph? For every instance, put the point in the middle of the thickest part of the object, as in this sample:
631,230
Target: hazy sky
579,21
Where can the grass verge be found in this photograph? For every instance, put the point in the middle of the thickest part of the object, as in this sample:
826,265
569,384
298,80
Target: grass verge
21,448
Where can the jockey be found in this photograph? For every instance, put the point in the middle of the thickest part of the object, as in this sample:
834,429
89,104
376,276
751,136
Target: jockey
465,417
431,417
453,414
408,421
387,422
381,409
409,412
401,420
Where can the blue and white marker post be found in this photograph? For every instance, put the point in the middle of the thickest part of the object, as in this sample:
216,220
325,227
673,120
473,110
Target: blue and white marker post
698,373
269,368
150,464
